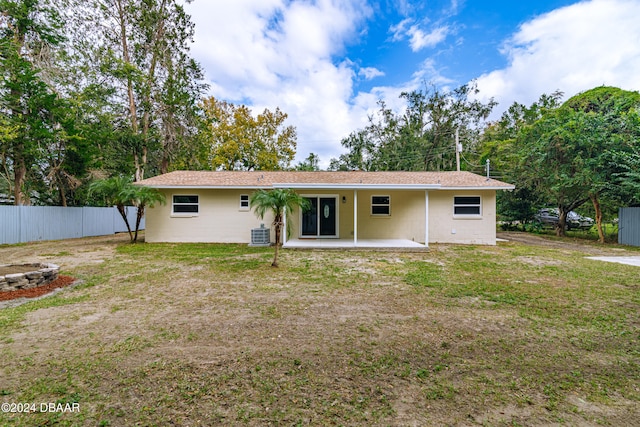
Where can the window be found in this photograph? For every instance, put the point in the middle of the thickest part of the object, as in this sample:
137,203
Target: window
466,205
244,202
381,205
183,204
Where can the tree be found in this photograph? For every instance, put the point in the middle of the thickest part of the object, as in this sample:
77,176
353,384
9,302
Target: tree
310,164
626,188
28,30
281,203
120,192
500,144
550,150
141,52
568,155
94,88
240,141
422,137
607,126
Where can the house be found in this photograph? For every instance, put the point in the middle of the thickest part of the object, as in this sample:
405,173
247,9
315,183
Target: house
384,209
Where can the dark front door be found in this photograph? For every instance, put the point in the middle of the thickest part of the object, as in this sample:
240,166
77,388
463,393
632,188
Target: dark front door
320,220
327,216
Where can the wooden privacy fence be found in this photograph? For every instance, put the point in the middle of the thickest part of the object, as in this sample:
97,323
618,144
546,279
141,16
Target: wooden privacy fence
629,226
19,224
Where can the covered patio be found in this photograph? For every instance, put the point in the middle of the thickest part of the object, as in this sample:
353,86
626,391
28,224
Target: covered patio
381,244
368,225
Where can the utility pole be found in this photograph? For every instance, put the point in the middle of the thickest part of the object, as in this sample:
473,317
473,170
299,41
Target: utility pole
458,149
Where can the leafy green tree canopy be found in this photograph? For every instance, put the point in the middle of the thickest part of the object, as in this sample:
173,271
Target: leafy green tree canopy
568,155
422,137
240,141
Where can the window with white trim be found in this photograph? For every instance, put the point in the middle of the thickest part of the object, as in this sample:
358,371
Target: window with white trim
244,202
185,204
467,205
381,205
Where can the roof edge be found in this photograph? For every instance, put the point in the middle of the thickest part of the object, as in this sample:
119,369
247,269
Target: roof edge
475,187
356,186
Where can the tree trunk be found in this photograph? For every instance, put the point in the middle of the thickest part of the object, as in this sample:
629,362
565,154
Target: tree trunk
139,216
19,177
127,60
139,172
7,174
123,214
19,174
278,223
164,164
63,197
561,226
596,207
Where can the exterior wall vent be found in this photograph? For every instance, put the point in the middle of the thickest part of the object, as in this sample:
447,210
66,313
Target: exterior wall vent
260,236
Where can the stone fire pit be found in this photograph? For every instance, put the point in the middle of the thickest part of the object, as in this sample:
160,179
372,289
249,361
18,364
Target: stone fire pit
27,276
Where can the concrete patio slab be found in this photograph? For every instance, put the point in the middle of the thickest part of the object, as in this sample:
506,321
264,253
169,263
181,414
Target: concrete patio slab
350,244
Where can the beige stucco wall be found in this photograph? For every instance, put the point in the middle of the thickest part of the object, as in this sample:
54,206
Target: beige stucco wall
407,219
220,219
445,228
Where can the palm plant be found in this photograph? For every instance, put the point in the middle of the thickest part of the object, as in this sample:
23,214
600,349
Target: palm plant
120,191
280,202
142,197
110,191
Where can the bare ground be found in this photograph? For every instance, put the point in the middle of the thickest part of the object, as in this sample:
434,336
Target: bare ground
579,245
65,253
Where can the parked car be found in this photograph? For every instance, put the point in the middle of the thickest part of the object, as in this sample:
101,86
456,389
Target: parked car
550,216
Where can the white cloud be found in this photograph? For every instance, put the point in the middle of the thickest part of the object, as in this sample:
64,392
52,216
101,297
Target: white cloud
400,29
370,73
571,49
278,53
418,38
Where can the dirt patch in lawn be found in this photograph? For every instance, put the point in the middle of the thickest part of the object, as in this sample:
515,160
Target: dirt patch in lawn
14,269
67,254
578,245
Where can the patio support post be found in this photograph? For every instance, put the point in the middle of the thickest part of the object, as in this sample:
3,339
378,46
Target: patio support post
284,227
355,217
426,218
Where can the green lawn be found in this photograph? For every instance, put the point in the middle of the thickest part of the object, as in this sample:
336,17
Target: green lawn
197,334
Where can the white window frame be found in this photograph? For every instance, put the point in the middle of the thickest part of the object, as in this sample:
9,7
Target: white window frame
244,204
388,205
467,205
184,214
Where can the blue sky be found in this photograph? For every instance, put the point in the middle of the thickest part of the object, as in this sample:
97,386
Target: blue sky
326,63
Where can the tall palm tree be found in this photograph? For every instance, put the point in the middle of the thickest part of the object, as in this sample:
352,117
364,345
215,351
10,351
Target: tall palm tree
280,202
